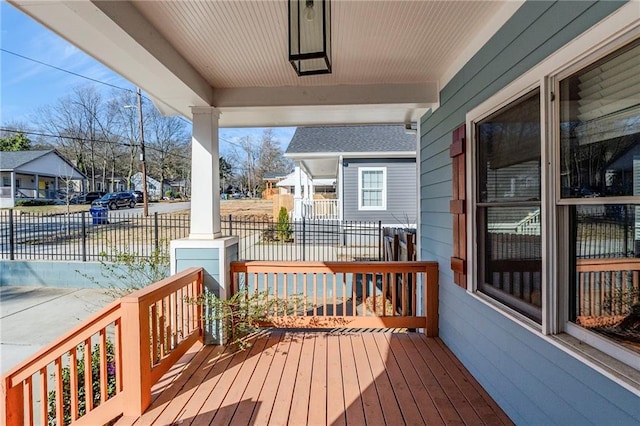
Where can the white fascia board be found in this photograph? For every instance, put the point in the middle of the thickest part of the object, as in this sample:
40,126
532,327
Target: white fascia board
381,154
323,115
489,30
411,94
118,36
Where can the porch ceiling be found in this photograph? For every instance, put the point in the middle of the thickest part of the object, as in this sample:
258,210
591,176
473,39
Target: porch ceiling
389,57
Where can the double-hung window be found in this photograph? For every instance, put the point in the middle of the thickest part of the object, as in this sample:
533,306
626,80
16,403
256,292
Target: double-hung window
508,205
555,184
372,188
599,203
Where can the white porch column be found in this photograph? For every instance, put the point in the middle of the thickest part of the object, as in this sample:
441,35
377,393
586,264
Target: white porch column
205,247
13,188
205,185
297,194
339,187
37,186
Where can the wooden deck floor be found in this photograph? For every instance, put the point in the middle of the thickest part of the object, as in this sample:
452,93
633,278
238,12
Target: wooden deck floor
319,378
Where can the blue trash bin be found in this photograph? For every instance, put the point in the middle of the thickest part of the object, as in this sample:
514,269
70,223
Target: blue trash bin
99,215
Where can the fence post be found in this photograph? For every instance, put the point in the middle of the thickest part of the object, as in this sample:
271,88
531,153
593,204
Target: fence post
136,351
431,300
230,225
84,236
155,231
304,239
11,237
379,240
12,404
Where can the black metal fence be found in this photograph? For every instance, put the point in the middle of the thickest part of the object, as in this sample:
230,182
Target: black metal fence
81,237
306,240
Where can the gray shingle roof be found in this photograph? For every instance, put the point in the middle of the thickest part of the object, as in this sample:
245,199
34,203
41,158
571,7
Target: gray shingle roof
10,160
351,139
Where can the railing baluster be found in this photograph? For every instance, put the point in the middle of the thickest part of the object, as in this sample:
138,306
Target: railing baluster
88,376
315,294
103,366
73,382
405,294
59,392
28,398
44,397
354,305
117,351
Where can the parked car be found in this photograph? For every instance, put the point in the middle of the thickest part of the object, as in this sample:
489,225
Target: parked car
138,194
115,200
92,196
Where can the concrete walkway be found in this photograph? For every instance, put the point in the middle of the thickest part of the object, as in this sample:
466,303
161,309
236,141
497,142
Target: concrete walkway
31,317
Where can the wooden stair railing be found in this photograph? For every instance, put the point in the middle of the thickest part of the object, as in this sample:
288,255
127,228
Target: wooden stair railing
126,347
344,294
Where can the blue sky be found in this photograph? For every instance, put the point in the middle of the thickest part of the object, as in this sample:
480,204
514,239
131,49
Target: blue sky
25,85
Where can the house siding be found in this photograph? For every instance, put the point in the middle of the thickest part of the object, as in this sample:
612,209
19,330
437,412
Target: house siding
401,191
531,379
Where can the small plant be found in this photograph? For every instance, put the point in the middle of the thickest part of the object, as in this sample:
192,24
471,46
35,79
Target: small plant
283,227
244,313
94,371
126,272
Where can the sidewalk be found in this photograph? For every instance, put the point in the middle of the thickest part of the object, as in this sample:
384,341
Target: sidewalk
31,317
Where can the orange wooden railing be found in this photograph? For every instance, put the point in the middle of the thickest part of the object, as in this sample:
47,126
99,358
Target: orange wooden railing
126,348
344,294
603,282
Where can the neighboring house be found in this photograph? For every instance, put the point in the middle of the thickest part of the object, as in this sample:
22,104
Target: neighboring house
270,182
325,187
154,189
373,167
110,184
179,186
37,174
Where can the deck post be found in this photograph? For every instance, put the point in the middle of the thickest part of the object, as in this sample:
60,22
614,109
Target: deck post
136,363
431,301
12,404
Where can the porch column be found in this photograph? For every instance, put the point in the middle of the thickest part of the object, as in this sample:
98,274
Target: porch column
205,186
297,194
37,186
339,186
13,188
205,247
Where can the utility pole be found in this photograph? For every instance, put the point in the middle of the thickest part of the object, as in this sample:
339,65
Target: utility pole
145,197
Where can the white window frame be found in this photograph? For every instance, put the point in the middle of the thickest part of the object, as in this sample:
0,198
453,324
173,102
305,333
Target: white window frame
607,36
384,187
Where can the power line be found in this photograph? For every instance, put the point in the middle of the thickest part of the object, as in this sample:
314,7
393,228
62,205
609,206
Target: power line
65,70
49,135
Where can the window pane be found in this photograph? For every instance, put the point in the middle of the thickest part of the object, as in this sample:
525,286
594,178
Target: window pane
606,261
510,267
509,152
600,127
371,198
372,179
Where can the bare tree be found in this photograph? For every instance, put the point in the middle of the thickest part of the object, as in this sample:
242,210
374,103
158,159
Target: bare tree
167,142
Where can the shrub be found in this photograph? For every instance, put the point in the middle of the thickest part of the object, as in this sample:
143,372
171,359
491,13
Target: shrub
31,202
95,375
283,226
245,312
126,271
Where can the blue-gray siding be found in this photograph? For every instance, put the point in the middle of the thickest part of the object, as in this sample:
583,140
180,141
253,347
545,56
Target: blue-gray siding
531,379
401,191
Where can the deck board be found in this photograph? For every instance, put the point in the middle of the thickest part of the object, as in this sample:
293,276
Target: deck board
321,378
